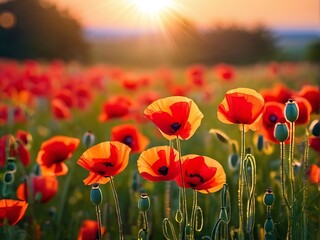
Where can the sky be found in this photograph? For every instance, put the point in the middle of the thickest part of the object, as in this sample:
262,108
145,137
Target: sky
120,14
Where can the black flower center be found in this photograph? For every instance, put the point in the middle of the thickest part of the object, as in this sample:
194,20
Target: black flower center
273,118
108,164
163,170
128,140
192,175
175,126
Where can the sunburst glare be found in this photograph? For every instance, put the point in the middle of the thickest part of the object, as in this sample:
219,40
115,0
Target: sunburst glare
151,7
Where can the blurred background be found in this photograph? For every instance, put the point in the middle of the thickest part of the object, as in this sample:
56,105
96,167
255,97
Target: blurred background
149,33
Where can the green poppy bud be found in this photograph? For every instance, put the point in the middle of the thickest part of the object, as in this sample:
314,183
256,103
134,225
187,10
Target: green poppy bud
268,236
144,202
268,225
260,142
143,234
188,230
268,198
281,132
233,161
291,111
88,139
8,177
315,128
96,195
11,165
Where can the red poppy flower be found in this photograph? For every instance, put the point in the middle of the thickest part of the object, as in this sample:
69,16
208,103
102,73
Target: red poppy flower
130,82
175,116
272,114
314,143
83,96
241,106
313,174
312,94
25,137
45,186
196,75
116,107
60,110
278,93
54,152
129,135
12,210
89,230
23,153
159,164
66,96
104,160
224,72
201,173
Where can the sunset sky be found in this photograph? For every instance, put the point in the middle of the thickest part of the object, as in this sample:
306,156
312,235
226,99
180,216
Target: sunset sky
271,13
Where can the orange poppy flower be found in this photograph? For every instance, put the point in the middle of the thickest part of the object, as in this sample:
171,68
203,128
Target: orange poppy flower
201,173
104,160
159,164
129,135
312,94
54,152
12,210
241,106
25,137
272,114
116,107
175,116
89,230
313,174
45,186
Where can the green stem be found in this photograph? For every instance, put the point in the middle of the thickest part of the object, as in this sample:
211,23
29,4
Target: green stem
193,212
98,213
305,188
63,200
282,185
241,184
116,200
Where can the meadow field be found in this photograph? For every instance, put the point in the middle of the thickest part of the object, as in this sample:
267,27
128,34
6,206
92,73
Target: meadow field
51,113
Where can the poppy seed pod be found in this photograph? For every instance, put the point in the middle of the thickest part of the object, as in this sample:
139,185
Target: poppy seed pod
88,139
268,225
11,165
291,111
8,177
260,142
96,195
143,234
268,198
281,132
144,202
315,128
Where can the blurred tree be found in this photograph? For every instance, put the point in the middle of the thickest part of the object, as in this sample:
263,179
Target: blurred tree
31,29
313,52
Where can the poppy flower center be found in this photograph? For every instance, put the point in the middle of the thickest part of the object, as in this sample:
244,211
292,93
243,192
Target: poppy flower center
108,164
128,140
175,126
196,175
163,170
273,118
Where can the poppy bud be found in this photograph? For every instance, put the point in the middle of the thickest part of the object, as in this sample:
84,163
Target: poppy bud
220,135
96,195
233,161
268,198
36,169
8,177
291,111
260,142
268,236
143,234
188,230
281,132
315,128
11,165
88,139
268,225
144,202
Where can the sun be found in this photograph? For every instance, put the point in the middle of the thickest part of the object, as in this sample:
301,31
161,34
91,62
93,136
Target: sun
152,7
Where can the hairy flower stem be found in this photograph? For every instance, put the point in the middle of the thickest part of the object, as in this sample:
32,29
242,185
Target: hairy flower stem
305,188
282,185
116,200
183,195
241,184
98,213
